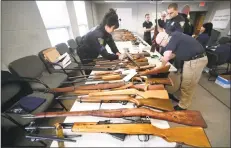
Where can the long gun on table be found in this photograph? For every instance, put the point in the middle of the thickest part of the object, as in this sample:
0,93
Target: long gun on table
65,137
160,94
155,70
193,136
187,117
160,104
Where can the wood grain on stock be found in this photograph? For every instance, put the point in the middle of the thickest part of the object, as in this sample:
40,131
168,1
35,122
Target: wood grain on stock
109,77
161,104
59,134
156,70
160,94
166,81
186,117
148,87
193,136
89,87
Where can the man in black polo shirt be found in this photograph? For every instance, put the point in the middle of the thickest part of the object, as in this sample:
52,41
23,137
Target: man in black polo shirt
147,25
189,50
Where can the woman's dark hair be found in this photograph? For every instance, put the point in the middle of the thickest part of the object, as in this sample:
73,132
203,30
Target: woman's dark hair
208,28
111,19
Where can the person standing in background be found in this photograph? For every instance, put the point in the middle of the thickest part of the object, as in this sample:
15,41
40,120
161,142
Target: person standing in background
188,27
147,25
174,22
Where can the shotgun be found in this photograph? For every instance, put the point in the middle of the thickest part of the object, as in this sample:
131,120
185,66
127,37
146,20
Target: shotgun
193,136
89,87
161,104
160,94
186,117
156,70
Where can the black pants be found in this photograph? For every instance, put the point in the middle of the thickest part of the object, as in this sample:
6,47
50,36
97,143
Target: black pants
148,40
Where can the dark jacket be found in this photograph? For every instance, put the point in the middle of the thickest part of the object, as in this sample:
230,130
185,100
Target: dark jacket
93,44
203,38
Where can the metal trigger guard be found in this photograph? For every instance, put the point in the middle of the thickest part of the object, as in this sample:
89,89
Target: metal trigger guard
146,138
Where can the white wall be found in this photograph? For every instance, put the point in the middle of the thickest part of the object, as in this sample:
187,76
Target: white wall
219,6
23,31
140,9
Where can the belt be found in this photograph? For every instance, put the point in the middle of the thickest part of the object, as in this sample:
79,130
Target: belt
197,56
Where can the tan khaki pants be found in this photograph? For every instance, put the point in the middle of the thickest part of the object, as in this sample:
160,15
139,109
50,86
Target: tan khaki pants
191,74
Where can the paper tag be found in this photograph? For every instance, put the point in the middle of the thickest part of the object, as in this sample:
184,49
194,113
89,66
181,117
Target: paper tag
131,74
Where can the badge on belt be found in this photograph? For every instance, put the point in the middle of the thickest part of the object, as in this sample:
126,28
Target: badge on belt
101,41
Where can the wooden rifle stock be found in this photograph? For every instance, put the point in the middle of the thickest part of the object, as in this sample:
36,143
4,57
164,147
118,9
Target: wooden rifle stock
59,134
148,87
145,67
161,104
86,92
89,87
166,81
186,117
160,94
106,73
108,77
193,136
156,70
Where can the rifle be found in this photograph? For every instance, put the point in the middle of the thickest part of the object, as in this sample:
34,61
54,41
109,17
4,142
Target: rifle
167,81
156,70
89,87
186,117
66,126
193,136
160,94
161,104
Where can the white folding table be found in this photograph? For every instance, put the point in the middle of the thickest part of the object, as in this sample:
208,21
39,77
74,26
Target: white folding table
106,140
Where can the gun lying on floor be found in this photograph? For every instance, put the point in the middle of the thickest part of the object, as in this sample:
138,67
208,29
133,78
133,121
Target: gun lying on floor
160,94
186,117
160,104
193,136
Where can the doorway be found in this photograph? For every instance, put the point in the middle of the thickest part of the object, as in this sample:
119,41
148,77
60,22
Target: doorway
197,19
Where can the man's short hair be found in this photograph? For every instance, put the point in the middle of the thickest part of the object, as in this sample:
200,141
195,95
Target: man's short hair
146,14
173,5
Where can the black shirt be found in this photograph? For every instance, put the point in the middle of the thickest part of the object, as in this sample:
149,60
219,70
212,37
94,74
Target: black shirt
184,46
148,25
94,42
175,24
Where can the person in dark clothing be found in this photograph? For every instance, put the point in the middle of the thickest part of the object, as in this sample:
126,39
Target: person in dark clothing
147,25
175,22
188,27
93,43
205,33
191,52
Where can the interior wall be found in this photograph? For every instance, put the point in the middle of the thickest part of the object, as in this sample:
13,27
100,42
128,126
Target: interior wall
23,30
219,6
140,9
73,18
91,14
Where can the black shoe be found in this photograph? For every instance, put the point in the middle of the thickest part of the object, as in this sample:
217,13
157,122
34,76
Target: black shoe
172,97
177,107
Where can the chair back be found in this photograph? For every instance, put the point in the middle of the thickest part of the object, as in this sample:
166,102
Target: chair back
29,66
72,45
62,48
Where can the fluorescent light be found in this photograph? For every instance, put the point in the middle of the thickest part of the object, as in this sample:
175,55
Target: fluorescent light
114,1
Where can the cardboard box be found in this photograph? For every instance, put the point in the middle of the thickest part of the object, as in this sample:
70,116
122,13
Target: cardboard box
64,60
223,81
